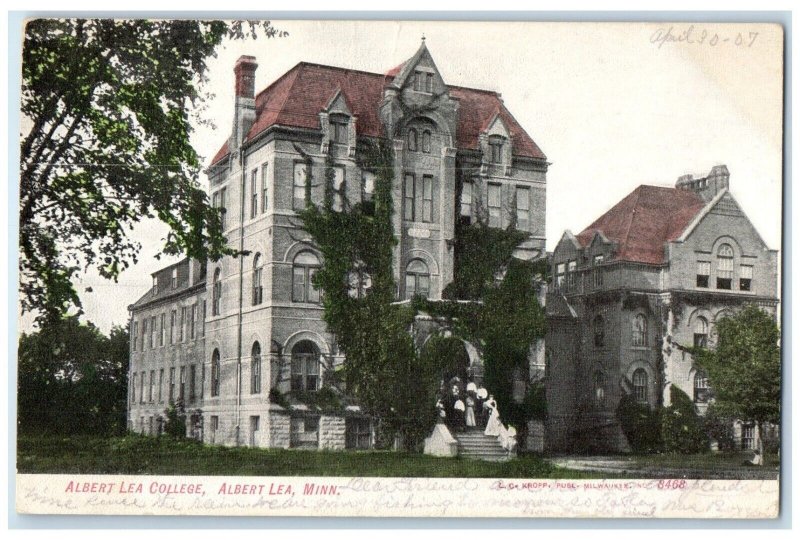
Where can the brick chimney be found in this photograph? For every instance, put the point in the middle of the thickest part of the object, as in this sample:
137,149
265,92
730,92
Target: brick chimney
245,103
709,186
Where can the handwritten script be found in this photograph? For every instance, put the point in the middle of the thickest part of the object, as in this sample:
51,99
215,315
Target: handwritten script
395,497
699,36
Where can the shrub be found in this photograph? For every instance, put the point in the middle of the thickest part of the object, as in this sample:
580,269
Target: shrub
719,428
681,428
641,425
176,422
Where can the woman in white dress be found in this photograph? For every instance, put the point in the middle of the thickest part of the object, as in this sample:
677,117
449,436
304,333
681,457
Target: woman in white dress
493,426
469,415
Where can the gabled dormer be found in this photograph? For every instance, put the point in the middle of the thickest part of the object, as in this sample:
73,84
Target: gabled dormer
495,144
338,124
416,90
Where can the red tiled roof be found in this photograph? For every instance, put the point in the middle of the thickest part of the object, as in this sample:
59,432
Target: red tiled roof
297,98
644,221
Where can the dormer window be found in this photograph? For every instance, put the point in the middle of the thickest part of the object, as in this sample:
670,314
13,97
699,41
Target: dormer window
155,285
175,278
339,129
496,148
423,82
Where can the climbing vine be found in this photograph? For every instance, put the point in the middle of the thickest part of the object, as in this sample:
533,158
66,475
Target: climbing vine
384,370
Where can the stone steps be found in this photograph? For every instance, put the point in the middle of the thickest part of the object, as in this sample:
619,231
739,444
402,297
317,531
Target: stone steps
476,445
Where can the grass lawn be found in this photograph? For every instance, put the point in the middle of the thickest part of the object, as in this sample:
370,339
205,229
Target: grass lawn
135,454
704,461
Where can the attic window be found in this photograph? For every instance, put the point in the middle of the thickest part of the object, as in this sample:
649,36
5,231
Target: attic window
175,278
423,82
496,148
339,129
155,285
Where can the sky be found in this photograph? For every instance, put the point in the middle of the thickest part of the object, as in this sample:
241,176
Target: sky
612,105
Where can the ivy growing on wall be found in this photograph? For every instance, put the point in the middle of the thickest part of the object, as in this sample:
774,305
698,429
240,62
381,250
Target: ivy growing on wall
383,369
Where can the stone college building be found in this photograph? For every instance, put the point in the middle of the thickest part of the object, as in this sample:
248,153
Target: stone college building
647,280
229,341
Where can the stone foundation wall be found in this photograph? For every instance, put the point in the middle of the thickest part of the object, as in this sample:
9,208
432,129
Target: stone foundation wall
332,433
279,427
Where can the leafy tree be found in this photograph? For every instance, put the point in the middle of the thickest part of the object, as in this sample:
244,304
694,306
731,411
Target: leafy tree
73,379
109,105
744,369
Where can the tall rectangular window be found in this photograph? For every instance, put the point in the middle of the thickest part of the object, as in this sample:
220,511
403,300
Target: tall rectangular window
339,188
213,428
133,388
223,205
598,272
408,198
182,387
171,384
160,385
135,334
572,267
151,386
203,321
153,332
254,193
174,278
264,189
192,321
141,387
466,202
703,271
339,131
163,337
427,198
144,330
172,316
495,205
367,186
745,277
523,209
202,380
301,192
182,324
560,267
192,381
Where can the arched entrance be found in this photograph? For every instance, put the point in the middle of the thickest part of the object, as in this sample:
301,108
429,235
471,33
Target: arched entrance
460,375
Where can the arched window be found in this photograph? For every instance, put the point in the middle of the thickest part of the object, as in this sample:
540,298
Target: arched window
304,267
418,279
216,293
639,337
700,387
255,369
599,329
412,140
724,266
215,373
599,388
700,332
258,289
640,385
426,141
305,367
